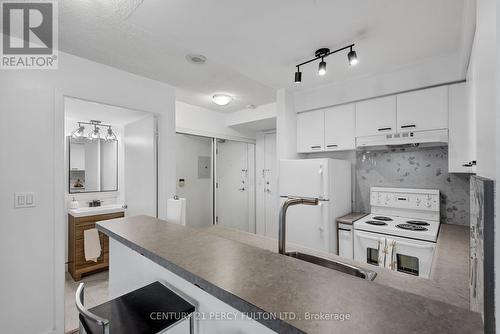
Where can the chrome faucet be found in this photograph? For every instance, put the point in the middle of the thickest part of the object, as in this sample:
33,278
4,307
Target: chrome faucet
282,222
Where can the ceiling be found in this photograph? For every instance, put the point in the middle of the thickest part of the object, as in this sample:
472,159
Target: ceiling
81,110
252,47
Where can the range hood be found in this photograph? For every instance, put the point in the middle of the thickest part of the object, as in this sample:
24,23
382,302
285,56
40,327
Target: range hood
411,138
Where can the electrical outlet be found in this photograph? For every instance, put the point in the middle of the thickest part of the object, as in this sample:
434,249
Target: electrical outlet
24,200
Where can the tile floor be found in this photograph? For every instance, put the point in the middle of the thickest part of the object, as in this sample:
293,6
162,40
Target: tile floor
96,292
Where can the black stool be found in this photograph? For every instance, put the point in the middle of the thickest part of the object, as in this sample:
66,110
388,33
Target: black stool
150,309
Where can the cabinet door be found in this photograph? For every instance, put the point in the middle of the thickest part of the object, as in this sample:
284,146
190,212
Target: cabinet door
311,131
339,128
425,109
461,125
376,116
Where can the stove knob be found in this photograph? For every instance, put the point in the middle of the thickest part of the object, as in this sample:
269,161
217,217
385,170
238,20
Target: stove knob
418,201
429,204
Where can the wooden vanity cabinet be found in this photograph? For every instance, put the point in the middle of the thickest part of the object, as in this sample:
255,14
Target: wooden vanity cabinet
77,266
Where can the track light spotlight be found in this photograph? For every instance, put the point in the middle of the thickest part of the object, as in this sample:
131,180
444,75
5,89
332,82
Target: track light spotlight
352,57
322,67
298,76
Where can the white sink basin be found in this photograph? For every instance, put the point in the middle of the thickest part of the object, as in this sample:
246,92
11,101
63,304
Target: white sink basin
98,210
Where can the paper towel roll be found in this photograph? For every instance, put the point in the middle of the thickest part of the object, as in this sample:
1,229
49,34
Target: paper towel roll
176,211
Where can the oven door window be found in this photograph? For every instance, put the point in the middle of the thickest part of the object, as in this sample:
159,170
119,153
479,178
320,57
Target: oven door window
408,264
372,256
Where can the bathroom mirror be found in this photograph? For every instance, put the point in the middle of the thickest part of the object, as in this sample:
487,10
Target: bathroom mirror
93,165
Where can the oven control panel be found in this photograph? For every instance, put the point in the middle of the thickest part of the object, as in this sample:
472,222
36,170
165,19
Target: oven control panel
427,200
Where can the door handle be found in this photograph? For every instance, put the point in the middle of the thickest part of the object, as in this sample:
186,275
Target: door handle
384,129
408,126
241,189
332,145
316,147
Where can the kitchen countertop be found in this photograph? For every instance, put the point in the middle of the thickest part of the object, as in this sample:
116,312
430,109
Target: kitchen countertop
351,218
252,279
449,281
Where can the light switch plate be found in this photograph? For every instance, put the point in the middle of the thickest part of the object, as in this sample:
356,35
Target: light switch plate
24,200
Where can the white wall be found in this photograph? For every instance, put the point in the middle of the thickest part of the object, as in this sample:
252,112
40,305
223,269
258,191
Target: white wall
260,113
31,127
197,191
286,126
203,122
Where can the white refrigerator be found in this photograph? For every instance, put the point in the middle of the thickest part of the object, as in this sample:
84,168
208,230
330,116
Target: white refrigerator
329,180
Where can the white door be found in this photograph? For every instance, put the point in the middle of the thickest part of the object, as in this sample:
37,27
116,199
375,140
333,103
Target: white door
376,116
140,167
271,194
311,131
235,192
307,226
425,109
339,128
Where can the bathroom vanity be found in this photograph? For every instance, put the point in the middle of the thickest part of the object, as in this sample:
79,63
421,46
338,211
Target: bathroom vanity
83,219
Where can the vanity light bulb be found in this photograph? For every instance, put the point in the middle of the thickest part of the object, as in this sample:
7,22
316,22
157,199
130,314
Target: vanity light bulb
111,135
94,134
78,133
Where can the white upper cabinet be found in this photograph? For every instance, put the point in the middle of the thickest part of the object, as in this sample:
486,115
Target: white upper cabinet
376,116
311,131
340,128
425,109
461,141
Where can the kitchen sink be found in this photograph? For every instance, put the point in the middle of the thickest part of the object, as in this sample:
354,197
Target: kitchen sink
342,267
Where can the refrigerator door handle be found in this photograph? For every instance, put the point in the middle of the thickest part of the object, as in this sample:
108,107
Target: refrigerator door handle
321,176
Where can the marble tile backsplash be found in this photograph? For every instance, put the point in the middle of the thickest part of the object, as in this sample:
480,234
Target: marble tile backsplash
414,168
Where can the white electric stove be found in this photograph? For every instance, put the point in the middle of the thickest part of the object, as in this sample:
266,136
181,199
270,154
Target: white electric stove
401,232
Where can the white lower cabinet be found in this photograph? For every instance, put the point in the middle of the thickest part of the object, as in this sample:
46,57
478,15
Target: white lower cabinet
340,128
461,143
346,244
311,131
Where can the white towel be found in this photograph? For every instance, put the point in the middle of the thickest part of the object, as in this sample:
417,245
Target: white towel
382,250
176,211
390,256
91,244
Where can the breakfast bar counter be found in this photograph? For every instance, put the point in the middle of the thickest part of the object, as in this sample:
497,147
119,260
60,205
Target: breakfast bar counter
300,296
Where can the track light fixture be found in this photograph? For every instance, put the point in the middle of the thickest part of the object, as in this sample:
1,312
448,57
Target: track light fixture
298,75
352,57
95,133
322,54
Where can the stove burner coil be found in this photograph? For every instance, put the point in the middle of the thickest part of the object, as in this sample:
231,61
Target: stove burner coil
382,218
418,222
411,227
375,222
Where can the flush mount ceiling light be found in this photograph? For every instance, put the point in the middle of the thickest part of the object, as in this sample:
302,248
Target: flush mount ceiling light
322,54
196,59
95,133
221,99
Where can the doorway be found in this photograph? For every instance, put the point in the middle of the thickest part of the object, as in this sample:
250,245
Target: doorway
123,174
235,185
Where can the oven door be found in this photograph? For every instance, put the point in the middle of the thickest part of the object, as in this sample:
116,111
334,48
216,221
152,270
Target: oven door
412,257
366,247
